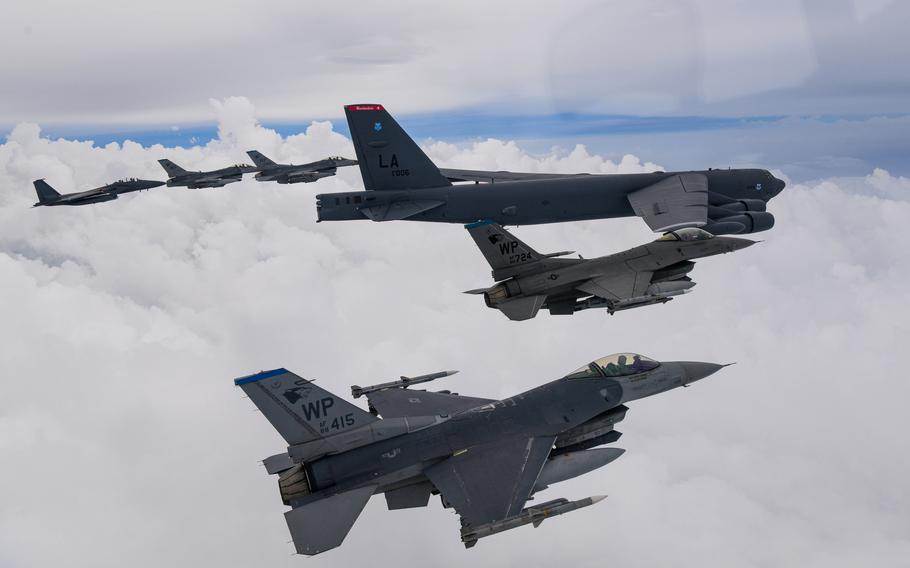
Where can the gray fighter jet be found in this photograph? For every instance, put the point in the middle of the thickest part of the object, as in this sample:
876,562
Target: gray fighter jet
289,173
48,196
178,176
486,458
402,183
647,274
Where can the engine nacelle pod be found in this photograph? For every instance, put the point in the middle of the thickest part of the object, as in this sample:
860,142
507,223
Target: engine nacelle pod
746,222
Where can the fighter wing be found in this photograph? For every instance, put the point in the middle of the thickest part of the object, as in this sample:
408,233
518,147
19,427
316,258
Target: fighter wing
398,403
493,177
491,482
618,286
673,202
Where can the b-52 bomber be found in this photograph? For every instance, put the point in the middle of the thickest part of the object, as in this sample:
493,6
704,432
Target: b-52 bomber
401,182
267,170
647,274
179,177
48,196
485,458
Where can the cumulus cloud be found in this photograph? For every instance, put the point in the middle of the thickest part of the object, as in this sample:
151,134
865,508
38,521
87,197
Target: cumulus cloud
304,61
124,440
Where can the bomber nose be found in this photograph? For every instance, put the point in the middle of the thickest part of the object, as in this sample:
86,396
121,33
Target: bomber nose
779,185
696,370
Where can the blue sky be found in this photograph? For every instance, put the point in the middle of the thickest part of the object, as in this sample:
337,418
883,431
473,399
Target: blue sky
801,147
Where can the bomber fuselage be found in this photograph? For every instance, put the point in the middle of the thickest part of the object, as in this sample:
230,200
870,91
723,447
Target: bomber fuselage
530,202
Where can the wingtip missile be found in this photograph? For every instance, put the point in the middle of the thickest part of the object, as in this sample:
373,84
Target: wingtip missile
532,515
403,382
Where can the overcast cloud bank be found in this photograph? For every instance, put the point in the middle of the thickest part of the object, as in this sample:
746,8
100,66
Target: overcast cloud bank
123,438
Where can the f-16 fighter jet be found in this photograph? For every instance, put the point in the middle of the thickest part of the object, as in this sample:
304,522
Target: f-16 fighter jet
402,183
289,173
644,275
47,195
197,180
484,457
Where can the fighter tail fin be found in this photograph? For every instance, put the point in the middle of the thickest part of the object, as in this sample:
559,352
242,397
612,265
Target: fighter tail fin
46,193
259,159
502,250
172,169
298,409
389,159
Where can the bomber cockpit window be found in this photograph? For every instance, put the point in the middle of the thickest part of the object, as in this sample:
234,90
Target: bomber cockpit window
687,234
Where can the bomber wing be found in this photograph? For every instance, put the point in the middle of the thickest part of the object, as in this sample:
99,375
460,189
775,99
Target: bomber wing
399,403
491,482
673,202
482,176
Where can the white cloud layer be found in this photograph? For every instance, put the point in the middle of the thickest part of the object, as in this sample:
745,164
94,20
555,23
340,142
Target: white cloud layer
123,439
114,62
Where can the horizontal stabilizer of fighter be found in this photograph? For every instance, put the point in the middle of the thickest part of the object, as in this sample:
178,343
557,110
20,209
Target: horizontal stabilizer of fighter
532,515
403,383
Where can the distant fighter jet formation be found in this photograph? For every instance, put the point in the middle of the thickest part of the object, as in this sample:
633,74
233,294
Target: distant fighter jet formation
647,274
485,458
266,169
48,196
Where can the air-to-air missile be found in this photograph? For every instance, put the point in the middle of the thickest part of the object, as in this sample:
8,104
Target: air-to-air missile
532,515
484,457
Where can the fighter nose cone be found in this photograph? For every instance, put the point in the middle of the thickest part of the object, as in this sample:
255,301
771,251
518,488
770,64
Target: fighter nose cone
696,370
732,244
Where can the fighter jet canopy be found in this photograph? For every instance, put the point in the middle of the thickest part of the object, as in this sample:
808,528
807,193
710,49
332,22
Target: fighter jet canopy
687,234
615,365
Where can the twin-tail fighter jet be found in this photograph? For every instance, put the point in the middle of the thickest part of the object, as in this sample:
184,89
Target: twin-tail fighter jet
485,458
647,274
179,177
48,196
401,182
268,170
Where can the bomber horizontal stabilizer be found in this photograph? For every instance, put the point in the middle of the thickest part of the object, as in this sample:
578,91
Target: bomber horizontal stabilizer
398,210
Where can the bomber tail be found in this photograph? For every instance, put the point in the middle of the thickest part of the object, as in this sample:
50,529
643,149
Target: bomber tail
389,159
172,169
259,159
298,409
46,193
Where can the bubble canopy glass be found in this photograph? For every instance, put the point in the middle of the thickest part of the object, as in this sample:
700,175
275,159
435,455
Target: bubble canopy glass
616,365
687,234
